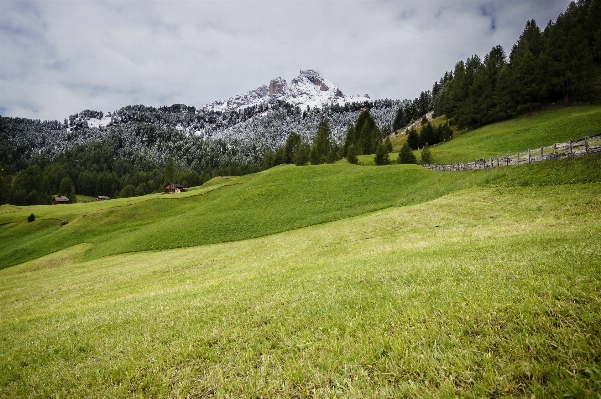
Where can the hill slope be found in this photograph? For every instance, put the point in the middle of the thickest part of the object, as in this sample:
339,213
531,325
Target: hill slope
484,292
280,199
543,128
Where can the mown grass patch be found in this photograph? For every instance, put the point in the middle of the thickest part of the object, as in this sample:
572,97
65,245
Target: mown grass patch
488,291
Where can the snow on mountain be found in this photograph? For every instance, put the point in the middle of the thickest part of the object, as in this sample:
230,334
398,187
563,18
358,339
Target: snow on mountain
310,88
98,122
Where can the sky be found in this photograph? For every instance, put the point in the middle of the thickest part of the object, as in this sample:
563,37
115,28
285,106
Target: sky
58,58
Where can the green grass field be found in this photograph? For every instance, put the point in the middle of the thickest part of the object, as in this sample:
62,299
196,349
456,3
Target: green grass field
318,281
542,128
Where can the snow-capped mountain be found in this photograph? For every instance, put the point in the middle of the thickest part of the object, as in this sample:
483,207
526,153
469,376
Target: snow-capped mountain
310,88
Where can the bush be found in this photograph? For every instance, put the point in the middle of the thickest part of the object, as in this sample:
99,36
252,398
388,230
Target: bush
31,218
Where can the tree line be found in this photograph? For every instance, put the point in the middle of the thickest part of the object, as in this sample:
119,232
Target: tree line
363,137
557,63
94,169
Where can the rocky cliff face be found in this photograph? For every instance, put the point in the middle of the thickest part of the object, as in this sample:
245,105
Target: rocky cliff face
309,88
277,87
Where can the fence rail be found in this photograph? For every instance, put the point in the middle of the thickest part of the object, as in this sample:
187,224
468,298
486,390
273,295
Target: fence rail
573,148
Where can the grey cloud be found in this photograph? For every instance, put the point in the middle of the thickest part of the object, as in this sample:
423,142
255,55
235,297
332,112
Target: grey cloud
59,58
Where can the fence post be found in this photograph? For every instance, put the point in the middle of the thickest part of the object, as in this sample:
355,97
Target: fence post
586,144
542,156
507,159
528,156
570,142
554,150
518,158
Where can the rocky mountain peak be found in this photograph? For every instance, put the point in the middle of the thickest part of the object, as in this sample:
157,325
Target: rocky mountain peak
309,88
277,87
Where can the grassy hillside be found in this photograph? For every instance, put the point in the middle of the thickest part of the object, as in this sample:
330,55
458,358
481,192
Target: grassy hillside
280,199
543,128
318,281
485,292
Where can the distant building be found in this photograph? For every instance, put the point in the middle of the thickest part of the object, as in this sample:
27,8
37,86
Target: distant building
102,198
60,200
173,188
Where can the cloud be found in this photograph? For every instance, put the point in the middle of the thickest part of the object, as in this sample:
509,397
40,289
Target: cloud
60,57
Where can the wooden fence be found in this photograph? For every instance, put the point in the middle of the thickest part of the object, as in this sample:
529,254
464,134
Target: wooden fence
573,148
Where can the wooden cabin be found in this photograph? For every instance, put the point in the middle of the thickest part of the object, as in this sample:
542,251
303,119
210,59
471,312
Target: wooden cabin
60,200
102,198
174,188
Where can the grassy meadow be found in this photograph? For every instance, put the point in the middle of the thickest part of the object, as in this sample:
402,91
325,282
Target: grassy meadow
319,281
542,128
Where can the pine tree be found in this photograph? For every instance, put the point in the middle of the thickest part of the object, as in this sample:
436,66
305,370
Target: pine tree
292,143
268,159
351,155
67,189
567,55
427,135
406,155
301,156
388,144
382,156
350,139
399,119
413,139
170,171
322,144
426,156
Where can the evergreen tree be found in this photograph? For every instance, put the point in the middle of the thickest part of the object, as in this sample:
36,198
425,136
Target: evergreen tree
504,99
169,171
428,135
413,139
382,156
388,144
350,139
399,119
568,56
386,131
426,156
268,159
301,156
292,143
67,189
406,155
351,154
322,144
280,156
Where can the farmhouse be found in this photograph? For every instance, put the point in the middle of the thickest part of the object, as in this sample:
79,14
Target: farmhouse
60,200
102,198
173,188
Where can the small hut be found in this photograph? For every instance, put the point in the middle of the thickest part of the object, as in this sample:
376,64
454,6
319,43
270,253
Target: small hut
60,200
102,198
174,188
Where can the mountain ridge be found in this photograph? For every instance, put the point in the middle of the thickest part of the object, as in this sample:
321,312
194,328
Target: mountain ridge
309,88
